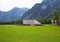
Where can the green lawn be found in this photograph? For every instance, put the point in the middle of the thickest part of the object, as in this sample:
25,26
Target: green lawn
45,33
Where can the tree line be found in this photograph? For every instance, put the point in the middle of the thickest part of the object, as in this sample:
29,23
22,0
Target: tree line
42,20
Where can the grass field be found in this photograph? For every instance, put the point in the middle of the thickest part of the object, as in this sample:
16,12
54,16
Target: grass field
45,33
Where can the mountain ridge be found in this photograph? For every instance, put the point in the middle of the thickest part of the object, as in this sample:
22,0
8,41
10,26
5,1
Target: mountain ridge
13,14
42,10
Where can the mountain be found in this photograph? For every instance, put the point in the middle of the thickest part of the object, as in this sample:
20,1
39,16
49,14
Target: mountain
42,10
13,14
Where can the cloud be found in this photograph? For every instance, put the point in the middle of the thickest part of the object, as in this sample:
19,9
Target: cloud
6,5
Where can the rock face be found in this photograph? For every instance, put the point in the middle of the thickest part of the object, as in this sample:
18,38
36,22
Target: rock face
42,10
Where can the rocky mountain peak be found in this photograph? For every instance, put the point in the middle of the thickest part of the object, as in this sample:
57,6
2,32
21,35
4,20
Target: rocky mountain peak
42,10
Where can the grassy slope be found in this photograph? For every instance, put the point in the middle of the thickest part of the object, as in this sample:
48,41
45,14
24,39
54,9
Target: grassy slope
46,33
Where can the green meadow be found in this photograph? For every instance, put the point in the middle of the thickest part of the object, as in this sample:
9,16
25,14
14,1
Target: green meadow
15,33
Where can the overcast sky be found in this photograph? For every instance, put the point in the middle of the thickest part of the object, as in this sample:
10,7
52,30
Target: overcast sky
6,5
